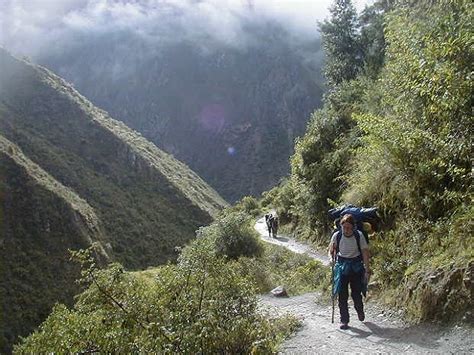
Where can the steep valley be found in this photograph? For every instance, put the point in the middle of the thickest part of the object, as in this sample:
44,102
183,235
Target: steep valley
231,113
70,175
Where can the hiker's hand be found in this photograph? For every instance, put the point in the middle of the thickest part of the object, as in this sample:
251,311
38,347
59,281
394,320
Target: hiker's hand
331,259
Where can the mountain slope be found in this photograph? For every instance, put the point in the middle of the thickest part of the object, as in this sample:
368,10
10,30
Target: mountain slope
222,110
40,219
149,203
70,175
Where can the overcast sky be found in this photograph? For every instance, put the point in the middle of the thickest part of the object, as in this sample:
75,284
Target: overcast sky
27,26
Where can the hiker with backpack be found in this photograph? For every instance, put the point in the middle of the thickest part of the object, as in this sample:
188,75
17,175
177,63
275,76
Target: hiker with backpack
367,219
349,252
268,222
272,225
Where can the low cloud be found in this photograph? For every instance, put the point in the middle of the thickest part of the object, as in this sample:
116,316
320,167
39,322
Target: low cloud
29,27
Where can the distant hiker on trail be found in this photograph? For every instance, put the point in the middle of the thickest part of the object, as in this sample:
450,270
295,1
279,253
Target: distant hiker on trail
350,252
272,225
269,225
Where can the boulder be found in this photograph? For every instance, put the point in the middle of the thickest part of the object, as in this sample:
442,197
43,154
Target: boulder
279,292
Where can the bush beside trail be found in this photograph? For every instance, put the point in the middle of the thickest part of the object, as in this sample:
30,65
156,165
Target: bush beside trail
206,303
202,304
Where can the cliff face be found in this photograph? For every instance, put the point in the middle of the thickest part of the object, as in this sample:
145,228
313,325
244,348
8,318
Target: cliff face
71,175
231,114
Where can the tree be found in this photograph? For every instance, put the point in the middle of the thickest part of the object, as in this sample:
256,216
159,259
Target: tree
341,42
372,37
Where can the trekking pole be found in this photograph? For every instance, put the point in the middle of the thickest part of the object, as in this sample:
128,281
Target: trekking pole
332,288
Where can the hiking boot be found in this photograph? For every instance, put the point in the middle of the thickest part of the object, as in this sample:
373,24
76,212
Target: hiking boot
344,326
361,316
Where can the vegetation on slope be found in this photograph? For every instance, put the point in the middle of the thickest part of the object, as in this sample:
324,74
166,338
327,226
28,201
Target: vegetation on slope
148,202
206,303
188,182
141,201
40,220
396,133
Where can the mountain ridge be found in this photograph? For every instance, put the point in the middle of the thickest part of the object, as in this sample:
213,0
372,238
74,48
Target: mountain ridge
43,179
71,176
50,133
139,143
41,220
221,110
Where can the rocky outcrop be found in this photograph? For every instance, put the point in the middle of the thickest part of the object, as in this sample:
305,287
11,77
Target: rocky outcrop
439,293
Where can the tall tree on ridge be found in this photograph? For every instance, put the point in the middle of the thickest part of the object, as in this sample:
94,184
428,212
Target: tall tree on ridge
341,42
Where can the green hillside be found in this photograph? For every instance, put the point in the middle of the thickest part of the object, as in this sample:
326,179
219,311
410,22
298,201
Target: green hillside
148,202
145,202
40,219
396,132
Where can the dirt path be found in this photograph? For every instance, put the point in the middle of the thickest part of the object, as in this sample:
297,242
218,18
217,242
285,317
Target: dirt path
289,243
382,332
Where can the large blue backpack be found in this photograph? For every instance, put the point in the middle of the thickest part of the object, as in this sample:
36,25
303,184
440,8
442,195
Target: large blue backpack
360,214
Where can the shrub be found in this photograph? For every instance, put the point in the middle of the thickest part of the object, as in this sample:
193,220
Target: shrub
200,305
249,205
233,236
279,266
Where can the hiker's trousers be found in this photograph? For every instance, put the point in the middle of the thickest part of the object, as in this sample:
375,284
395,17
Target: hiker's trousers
355,281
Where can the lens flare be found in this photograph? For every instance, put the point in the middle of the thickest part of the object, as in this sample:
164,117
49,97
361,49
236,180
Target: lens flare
213,117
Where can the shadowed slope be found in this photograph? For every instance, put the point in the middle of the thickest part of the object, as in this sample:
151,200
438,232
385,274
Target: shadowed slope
40,219
149,202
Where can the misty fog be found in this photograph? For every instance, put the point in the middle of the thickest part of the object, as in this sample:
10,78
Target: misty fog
29,27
